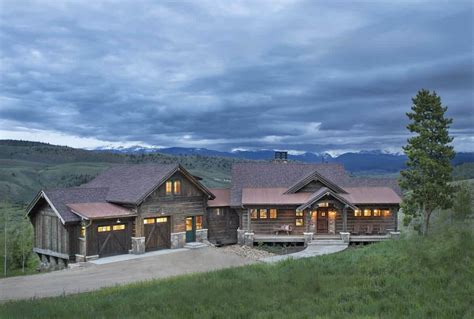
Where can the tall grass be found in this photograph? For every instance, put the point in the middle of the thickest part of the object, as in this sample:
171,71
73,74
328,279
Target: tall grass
417,277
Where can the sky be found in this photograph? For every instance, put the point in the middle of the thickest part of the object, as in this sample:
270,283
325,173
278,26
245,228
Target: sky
316,76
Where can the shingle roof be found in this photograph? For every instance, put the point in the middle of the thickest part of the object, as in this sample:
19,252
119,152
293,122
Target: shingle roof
61,196
222,197
372,195
129,183
100,210
272,196
271,175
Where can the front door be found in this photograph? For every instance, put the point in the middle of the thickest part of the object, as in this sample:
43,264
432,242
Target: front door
322,221
190,229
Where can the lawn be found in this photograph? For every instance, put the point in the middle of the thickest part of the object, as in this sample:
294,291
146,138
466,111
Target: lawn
413,277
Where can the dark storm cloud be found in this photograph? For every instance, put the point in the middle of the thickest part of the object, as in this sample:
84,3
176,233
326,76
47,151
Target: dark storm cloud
268,74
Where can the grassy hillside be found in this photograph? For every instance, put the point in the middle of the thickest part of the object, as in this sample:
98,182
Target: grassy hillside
418,278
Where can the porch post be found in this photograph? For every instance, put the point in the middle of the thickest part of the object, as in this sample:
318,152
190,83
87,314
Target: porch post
344,219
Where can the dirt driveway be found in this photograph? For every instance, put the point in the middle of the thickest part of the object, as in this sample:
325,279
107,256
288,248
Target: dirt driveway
94,277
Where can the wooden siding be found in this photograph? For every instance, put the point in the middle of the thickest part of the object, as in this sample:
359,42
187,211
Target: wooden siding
49,233
285,216
222,229
191,202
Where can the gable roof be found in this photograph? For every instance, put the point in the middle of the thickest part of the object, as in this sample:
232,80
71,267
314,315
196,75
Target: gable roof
131,184
278,175
372,195
314,176
59,198
324,191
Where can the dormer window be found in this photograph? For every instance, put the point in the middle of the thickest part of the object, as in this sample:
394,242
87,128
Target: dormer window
169,187
177,187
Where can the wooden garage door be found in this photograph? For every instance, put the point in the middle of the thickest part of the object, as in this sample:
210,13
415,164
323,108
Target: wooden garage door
157,233
113,239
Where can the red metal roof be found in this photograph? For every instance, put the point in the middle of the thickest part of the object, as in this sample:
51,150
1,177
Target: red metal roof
222,197
99,210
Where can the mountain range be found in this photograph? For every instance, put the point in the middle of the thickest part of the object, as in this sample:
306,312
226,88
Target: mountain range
373,161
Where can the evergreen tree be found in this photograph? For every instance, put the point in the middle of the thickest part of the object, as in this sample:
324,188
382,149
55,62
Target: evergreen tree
426,179
462,208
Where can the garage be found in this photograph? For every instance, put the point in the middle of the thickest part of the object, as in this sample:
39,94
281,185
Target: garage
157,233
113,239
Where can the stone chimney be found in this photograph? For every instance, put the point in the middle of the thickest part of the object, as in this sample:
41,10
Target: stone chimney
281,157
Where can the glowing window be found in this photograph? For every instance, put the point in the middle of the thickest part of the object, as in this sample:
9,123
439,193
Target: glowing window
299,222
263,214
253,213
386,212
376,212
273,213
177,187
169,187
357,213
162,220
82,233
118,227
101,229
299,213
332,214
149,221
367,212
189,224
324,204
198,222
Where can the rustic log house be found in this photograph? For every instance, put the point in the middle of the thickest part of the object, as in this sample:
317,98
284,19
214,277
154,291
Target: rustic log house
141,208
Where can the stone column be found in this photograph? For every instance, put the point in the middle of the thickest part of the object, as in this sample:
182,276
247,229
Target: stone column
345,236
241,236
138,245
178,240
248,239
395,235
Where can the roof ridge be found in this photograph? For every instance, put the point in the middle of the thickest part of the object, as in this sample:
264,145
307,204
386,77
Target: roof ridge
72,188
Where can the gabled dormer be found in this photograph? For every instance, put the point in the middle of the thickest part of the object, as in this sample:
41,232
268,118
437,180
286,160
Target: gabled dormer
312,183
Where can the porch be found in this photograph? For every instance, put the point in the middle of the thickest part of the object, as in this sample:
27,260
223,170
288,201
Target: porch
308,237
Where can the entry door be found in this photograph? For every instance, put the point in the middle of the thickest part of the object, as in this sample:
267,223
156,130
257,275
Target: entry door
190,229
322,221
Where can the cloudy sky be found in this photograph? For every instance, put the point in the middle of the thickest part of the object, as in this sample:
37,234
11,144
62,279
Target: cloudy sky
298,75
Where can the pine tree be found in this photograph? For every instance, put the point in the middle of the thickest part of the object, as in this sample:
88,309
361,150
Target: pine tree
426,179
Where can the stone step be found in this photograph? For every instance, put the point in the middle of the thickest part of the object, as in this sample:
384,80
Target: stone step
325,242
195,245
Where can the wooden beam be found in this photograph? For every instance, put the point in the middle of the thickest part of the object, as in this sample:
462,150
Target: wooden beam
50,253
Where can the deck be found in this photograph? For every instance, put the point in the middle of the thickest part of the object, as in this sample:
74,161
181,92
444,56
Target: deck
271,238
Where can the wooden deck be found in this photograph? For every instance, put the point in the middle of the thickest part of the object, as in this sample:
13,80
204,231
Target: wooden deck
270,238
263,238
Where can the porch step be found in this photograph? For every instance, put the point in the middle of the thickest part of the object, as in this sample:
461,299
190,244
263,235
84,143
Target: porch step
195,245
327,242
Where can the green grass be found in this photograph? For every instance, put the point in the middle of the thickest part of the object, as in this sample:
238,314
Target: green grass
414,277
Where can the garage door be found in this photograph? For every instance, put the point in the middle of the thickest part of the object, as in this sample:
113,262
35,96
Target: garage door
113,239
157,233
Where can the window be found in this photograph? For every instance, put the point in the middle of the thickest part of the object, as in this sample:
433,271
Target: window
376,212
273,213
299,213
357,213
253,213
218,212
82,233
263,214
386,212
177,187
323,204
332,214
118,227
198,222
299,222
149,221
367,212
101,229
169,187
162,220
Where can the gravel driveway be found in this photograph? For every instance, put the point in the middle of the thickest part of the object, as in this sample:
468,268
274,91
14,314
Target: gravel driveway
93,277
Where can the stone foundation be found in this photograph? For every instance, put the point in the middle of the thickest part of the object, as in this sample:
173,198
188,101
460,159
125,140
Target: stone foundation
138,245
178,240
308,237
201,235
346,237
248,239
395,235
240,236
50,263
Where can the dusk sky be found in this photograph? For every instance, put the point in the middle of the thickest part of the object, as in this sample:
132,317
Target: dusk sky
291,75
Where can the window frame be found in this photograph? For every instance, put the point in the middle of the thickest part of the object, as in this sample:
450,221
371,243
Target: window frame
253,213
260,213
299,222
177,184
104,229
358,213
369,210
169,187
273,212
118,227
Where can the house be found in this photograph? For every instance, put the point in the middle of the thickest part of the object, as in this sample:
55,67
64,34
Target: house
141,208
